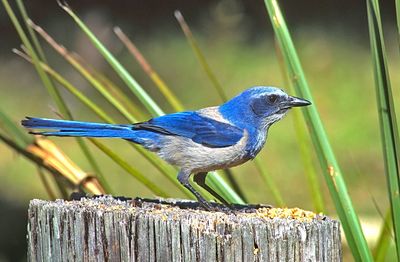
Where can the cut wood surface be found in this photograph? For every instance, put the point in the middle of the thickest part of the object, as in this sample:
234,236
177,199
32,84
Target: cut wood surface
109,229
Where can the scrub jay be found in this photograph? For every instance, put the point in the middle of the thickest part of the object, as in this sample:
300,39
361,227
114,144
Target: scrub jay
196,141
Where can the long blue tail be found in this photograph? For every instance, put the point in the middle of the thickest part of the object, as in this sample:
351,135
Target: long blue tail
76,128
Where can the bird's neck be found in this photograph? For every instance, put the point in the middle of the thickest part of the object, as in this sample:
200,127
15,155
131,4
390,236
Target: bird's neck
238,114
244,118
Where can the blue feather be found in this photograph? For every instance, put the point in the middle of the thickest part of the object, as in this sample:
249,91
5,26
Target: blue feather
200,129
77,128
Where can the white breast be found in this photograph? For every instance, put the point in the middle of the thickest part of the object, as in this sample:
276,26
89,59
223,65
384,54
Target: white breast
194,157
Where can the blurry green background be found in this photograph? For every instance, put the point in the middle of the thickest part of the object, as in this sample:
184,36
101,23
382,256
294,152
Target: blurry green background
236,37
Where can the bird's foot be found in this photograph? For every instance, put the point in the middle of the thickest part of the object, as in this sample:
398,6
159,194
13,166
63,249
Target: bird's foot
217,207
206,205
234,208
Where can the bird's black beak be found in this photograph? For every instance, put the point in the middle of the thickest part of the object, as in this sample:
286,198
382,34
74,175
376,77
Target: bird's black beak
296,102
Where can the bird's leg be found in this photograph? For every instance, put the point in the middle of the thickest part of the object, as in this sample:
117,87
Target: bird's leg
183,178
200,179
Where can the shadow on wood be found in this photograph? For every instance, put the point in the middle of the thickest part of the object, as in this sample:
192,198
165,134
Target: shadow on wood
109,229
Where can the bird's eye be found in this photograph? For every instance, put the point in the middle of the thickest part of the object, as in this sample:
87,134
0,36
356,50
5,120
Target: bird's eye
272,99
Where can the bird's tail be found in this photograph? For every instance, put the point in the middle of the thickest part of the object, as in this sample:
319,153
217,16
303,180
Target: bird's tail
77,128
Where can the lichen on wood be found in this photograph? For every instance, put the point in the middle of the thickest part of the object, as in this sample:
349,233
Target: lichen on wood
109,229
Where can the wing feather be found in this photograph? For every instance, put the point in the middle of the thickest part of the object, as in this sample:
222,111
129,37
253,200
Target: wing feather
200,129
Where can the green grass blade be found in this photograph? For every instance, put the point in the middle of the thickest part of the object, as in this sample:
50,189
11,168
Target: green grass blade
234,183
51,89
303,142
130,169
85,73
384,239
147,101
116,92
32,34
305,153
199,54
55,95
332,174
83,98
223,189
21,138
72,89
157,80
387,115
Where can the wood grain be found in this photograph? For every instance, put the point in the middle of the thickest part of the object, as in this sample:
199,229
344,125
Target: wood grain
107,229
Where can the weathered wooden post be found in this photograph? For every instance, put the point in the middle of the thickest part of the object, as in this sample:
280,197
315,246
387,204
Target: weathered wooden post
107,229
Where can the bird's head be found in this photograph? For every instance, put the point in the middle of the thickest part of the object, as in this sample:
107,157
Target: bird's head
261,105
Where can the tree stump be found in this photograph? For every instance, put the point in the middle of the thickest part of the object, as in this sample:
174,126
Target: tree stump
110,229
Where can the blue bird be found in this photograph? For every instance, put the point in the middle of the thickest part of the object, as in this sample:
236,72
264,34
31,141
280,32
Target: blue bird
199,141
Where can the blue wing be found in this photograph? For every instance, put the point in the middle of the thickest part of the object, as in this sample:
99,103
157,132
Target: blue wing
200,129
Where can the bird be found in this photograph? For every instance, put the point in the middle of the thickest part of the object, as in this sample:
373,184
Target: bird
197,142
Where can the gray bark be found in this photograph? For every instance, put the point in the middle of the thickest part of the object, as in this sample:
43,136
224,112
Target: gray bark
106,229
